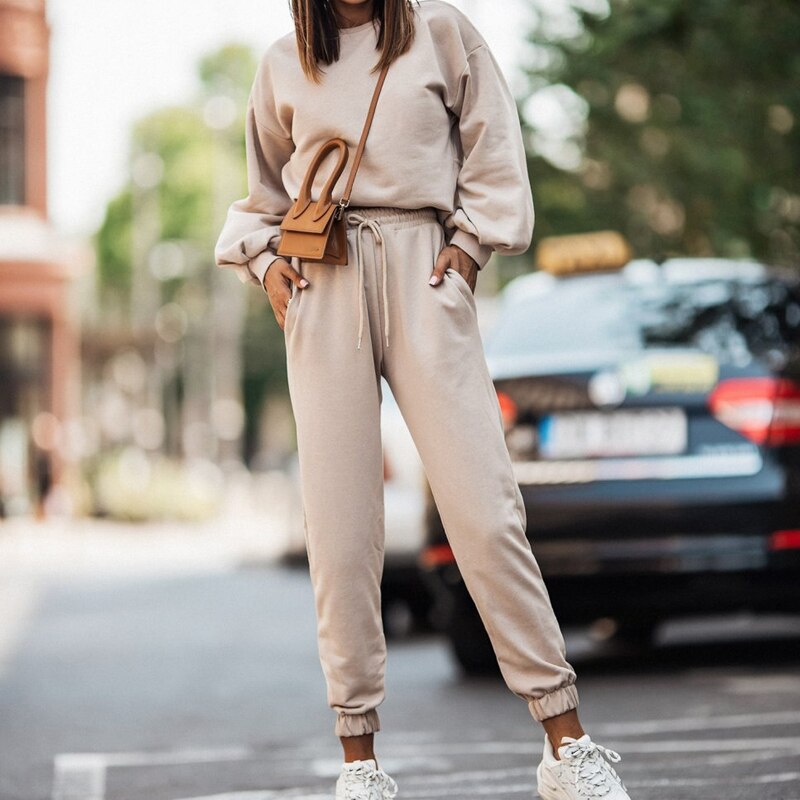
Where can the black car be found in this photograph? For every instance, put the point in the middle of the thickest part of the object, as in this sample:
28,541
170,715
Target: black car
653,417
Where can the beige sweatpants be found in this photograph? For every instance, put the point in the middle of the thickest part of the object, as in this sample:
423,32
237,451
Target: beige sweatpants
376,316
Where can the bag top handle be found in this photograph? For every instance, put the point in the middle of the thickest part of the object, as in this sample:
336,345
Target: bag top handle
303,199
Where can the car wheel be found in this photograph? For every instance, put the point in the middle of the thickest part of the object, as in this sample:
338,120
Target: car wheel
635,635
398,621
469,641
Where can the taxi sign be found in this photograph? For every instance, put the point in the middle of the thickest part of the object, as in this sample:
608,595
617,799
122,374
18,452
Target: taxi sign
583,252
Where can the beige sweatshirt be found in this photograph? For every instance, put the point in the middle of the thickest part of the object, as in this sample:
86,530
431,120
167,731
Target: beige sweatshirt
445,134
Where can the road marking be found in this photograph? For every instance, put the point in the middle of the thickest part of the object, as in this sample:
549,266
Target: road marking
494,789
768,684
712,745
700,723
79,776
780,777
510,788
82,776
303,794
259,795
739,758
177,757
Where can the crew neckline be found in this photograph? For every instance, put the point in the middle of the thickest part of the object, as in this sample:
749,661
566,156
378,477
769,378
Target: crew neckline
358,28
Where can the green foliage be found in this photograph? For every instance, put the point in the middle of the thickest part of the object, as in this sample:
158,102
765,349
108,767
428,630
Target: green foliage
692,138
187,148
202,171
113,245
230,69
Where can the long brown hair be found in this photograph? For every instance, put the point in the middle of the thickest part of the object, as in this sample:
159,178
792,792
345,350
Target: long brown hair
318,34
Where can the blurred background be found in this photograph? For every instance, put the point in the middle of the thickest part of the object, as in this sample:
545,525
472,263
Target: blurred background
645,353
666,123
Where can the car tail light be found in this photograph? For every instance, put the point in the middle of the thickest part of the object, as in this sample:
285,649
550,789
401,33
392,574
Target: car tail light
437,555
508,408
785,540
765,410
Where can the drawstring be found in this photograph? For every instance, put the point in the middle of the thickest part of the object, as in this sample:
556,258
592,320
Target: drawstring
375,227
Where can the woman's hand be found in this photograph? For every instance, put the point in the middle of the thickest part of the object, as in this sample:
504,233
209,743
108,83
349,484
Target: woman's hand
459,260
278,286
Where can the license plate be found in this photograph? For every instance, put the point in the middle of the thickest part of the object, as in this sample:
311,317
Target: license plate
588,434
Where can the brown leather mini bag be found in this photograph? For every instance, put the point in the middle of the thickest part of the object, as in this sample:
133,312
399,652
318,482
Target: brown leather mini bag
316,231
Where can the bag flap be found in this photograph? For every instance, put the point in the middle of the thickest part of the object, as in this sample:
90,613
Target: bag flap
304,221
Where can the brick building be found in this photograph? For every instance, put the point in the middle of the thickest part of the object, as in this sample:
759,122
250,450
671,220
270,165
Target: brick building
39,334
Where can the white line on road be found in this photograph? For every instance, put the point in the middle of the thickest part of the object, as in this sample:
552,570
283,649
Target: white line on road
712,745
295,794
79,776
766,684
191,756
700,723
480,791
779,777
82,776
740,758
511,788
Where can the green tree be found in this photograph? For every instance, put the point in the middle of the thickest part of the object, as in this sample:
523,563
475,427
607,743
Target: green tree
189,152
688,125
187,165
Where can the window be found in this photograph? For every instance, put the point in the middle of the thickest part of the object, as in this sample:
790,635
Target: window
12,140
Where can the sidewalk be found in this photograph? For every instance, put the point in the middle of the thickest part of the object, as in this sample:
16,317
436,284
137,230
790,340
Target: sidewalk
258,523
245,531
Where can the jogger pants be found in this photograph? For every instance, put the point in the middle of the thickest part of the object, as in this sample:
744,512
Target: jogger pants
378,315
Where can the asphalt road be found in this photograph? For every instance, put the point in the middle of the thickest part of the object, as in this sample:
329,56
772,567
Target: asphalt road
207,685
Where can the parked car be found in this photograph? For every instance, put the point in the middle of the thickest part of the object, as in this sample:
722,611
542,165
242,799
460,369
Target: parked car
652,414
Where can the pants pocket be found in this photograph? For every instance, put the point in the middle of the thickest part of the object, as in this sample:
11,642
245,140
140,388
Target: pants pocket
460,280
291,310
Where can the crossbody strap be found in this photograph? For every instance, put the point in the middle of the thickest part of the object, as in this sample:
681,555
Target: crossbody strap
345,199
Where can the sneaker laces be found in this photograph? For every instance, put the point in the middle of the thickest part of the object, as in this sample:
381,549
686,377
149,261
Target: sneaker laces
592,773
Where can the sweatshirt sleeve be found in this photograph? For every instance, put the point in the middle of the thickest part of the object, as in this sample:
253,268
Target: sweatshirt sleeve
251,230
494,205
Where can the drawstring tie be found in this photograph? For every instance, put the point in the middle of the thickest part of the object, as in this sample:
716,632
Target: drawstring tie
374,226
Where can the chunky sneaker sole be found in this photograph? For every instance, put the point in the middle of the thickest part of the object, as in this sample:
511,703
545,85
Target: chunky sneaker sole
364,780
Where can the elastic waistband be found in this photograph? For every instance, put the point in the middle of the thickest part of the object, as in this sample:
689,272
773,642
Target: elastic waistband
389,215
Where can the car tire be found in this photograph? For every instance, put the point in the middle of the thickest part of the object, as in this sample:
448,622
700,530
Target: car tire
634,635
469,642
397,617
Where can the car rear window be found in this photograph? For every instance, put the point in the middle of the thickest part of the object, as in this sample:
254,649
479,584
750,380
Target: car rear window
607,315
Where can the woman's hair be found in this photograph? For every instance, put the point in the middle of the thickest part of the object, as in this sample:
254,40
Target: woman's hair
318,34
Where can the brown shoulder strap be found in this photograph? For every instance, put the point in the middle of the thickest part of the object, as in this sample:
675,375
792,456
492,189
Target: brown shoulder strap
364,133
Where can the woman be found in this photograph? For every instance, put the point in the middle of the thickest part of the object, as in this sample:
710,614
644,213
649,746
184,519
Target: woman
443,183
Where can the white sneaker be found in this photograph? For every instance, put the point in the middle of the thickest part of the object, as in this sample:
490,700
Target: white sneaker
362,780
581,772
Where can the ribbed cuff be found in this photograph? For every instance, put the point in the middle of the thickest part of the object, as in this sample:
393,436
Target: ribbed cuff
554,703
357,724
470,245
260,264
